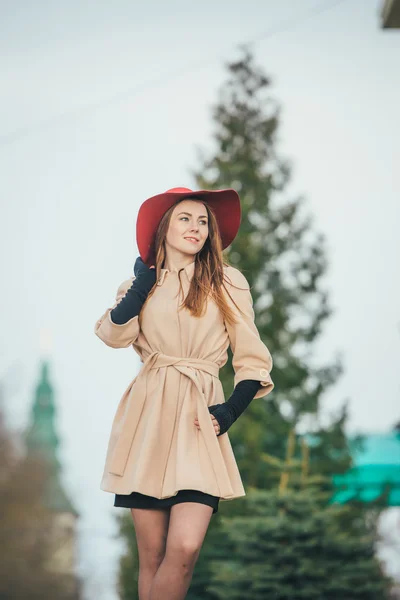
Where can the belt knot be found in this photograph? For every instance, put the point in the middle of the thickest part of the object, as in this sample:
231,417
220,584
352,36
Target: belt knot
157,359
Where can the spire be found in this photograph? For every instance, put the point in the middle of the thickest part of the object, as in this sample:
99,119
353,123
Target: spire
41,438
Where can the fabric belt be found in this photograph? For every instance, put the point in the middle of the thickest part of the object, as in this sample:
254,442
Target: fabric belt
136,401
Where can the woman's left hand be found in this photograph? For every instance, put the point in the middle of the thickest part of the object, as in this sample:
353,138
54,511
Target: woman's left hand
214,422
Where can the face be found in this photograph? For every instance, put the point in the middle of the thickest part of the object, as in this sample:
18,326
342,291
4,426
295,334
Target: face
189,219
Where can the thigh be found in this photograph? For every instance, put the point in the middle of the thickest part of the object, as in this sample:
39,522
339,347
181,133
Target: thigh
188,526
151,528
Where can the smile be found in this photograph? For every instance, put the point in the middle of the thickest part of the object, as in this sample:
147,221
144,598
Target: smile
193,240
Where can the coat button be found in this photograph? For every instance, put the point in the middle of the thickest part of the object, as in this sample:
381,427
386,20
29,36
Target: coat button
264,373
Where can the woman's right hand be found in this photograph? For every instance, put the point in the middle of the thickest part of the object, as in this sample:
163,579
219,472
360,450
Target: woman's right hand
140,267
131,304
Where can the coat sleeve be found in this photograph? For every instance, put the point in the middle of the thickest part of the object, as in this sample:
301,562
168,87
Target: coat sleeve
251,358
118,336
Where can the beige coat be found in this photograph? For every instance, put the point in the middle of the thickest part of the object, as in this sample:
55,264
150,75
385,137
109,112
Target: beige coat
155,447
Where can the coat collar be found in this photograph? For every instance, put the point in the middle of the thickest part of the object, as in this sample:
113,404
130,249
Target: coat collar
189,270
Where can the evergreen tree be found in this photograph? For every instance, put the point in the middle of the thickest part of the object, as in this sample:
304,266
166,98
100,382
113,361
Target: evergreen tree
291,546
284,260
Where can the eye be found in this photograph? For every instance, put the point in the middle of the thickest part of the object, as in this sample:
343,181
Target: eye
202,220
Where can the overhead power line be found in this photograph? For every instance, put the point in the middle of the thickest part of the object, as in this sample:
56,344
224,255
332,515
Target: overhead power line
74,114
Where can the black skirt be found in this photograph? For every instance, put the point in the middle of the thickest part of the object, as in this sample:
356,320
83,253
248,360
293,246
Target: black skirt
137,500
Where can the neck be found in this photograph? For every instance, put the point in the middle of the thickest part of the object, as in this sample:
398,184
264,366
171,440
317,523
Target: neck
175,264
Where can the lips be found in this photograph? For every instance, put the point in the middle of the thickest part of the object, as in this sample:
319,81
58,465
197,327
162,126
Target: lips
193,240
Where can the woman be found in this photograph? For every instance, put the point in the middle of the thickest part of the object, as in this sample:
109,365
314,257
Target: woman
169,457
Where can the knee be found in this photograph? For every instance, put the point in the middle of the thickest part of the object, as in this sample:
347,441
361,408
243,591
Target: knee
184,552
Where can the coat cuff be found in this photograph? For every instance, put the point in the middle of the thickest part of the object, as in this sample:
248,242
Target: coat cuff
114,335
261,375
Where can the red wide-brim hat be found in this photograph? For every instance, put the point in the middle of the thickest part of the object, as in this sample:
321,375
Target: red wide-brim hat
225,204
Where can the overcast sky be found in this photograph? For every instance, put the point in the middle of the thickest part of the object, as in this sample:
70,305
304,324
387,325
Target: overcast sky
103,105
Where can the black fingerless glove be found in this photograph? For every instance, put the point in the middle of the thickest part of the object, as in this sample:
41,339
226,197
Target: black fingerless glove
227,412
131,304
223,415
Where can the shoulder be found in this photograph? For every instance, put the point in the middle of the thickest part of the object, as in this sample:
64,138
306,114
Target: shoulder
235,278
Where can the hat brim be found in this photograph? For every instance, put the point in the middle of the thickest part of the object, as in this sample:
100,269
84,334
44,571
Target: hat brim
225,204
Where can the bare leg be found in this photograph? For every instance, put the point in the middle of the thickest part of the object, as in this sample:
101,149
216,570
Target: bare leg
151,527
187,528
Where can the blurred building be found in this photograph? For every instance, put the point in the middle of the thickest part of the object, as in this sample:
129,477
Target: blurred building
41,438
390,14
376,466
375,471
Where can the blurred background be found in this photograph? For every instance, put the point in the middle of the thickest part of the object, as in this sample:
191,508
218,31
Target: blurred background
294,104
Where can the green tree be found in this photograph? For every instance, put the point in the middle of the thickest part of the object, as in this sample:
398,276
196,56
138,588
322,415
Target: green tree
291,546
284,260
27,536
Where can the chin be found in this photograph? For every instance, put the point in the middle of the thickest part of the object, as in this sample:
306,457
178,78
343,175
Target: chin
188,253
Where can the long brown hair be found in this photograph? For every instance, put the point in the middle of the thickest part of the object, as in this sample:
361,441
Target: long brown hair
208,277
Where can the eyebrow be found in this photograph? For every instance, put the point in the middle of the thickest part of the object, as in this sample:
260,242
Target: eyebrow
186,213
